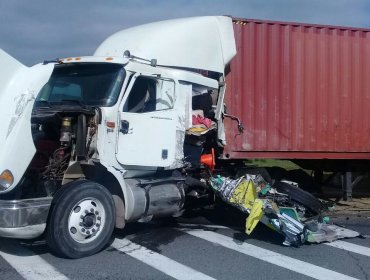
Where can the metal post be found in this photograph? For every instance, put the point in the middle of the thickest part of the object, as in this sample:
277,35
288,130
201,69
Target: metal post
347,186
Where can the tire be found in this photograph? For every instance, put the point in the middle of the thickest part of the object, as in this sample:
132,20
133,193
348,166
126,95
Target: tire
81,220
300,196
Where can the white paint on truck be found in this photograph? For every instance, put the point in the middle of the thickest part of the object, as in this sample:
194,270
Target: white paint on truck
19,86
173,42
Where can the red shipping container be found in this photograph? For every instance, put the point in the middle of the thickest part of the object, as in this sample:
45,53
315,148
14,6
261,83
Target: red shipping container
302,91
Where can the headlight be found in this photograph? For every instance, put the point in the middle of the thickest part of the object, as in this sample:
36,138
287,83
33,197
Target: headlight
6,180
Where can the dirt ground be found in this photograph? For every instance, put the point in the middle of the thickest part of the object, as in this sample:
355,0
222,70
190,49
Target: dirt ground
358,207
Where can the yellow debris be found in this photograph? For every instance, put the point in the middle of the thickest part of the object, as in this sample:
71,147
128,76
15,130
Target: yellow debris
244,194
254,216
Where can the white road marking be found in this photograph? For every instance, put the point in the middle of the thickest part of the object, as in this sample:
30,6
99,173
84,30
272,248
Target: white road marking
292,264
158,261
350,247
203,226
27,264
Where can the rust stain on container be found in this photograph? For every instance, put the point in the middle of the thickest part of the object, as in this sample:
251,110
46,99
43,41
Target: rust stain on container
301,91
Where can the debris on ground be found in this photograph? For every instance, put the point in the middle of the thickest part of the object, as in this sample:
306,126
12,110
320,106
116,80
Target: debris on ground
283,207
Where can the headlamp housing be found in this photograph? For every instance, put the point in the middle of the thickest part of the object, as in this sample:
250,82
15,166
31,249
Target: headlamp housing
6,180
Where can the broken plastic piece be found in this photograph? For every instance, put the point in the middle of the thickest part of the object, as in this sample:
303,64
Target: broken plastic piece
244,194
254,216
326,219
291,212
265,189
330,233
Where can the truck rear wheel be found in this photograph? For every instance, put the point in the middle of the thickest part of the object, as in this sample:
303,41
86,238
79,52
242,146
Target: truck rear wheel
81,221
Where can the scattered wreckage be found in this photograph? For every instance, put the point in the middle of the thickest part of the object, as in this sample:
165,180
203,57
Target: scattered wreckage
283,207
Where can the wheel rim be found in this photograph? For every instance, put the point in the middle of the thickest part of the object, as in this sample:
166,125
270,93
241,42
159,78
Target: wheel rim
86,220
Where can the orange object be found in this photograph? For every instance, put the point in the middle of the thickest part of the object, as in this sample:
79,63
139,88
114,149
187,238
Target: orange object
209,160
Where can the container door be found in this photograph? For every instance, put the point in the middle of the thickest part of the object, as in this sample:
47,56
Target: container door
147,135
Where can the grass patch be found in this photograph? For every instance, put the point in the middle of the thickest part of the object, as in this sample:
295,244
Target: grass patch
286,164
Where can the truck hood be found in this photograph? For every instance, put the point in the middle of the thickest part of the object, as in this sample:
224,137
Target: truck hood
19,86
200,42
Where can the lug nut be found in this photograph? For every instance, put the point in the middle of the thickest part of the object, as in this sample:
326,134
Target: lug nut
93,230
88,232
86,211
83,230
82,216
96,213
98,225
80,224
92,210
99,218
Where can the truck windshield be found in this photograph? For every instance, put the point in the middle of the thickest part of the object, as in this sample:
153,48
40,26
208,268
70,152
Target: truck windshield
93,84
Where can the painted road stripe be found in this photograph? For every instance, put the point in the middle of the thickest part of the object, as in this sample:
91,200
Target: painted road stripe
350,247
292,264
202,226
27,264
158,261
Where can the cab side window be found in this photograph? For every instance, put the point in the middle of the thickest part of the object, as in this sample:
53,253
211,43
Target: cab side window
150,94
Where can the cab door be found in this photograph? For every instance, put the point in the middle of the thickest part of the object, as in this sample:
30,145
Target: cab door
147,132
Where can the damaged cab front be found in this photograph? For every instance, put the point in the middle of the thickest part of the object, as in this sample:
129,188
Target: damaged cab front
19,86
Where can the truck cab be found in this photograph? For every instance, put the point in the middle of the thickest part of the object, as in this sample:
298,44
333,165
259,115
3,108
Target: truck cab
89,143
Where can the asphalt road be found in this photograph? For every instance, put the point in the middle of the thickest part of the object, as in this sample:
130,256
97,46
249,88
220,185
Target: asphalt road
207,244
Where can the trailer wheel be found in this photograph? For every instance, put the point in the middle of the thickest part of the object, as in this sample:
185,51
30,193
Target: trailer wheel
300,196
81,221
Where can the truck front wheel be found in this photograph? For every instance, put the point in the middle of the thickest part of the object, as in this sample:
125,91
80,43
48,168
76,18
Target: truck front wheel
81,220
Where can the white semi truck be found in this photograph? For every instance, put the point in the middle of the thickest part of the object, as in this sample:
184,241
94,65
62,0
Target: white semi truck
88,143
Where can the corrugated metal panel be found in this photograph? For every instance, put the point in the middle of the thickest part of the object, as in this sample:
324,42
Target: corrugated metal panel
301,91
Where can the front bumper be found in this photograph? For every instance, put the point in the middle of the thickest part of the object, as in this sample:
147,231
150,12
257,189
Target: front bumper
25,218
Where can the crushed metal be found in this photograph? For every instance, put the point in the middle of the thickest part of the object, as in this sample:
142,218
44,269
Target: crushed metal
283,207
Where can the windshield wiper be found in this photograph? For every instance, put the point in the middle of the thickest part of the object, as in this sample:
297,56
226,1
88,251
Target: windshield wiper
43,103
73,101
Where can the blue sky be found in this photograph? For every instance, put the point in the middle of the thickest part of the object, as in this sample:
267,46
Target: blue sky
36,30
